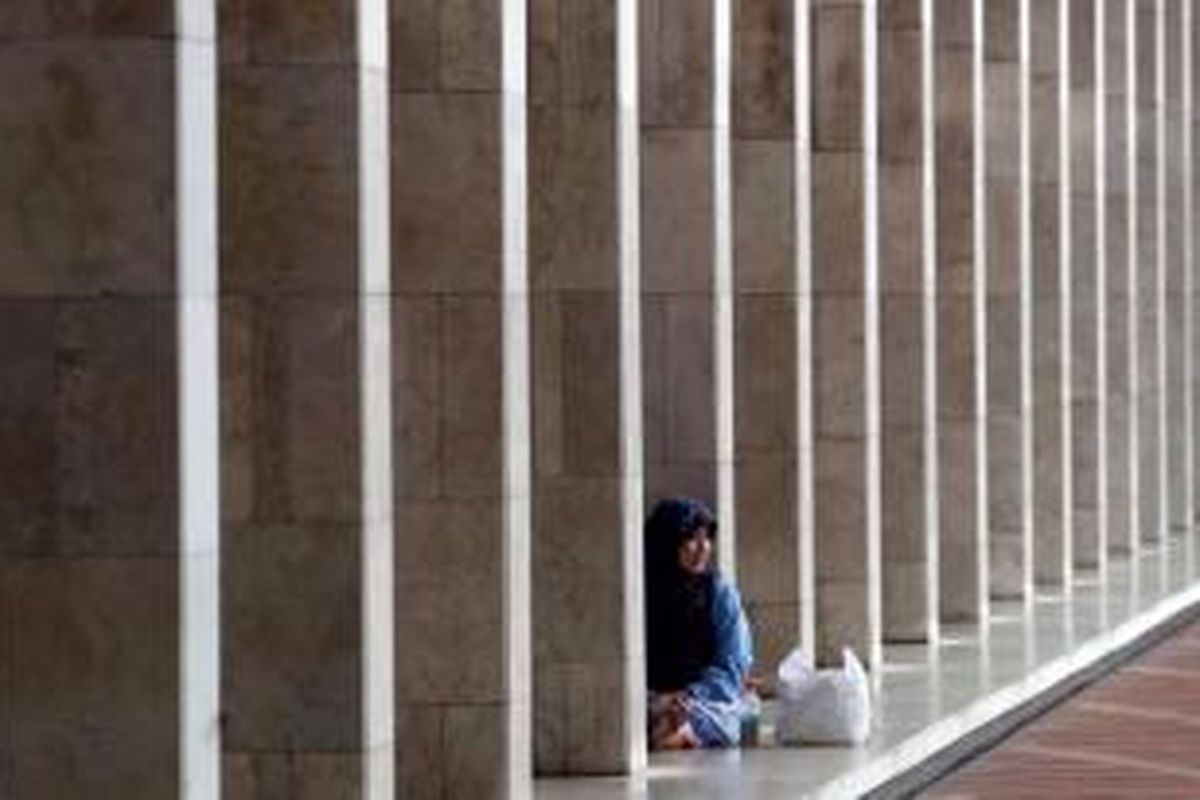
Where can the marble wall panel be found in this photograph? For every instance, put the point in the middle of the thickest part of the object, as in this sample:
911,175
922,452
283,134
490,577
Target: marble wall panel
1177,453
1051,441
902,342
309,777
292,650
900,229
87,176
1086,395
763,52
459,480
848,581
837,78
581,646
90,687
1005,374
1146,306
72,731
959,265
766,364
1115,243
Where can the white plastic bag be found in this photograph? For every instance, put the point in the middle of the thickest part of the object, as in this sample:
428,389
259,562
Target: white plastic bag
828,706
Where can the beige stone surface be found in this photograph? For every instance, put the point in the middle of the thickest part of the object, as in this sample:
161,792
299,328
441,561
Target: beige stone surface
842,619
675,63
960,591
459,660
904,612
445,192
573,199
839,376
957,359
902,338
289,373
676,196
765,375
899,14
837,65
954,23
291,649
86,191
837,213
1001,31
35,19
768,541
764,210
900,110
953,101
579,598
762,69
904,582
901,240
90,672
300,775
287,159
840,510
451,751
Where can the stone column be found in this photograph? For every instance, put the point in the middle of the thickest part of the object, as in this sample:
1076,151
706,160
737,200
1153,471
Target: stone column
1006,485
1086,397
1178,457
766,371
844,330
1145,250
584,651
678,247
1190,174
1049,436
108,415
301,381
461,399
960,349
1119,487
904,34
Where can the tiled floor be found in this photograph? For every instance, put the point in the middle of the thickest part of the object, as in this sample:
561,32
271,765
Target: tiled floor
1135,733
928,698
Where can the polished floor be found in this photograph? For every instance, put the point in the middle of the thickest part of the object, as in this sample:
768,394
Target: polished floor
929,698
1135,733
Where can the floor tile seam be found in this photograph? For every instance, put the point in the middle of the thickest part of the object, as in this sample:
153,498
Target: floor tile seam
1126,762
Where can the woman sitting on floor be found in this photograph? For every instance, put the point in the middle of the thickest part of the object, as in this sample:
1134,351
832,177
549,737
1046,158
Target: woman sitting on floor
697,638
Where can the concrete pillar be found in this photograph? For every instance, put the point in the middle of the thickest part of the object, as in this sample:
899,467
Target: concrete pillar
961,322
1190,174
766,371
1085,396
1050,479
1145,251
844,330
585,653
1005,476
300,396
1119,397
108,436
904,36
461,399
676,113
1178,435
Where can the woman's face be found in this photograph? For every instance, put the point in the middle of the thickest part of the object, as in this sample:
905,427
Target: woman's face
696,552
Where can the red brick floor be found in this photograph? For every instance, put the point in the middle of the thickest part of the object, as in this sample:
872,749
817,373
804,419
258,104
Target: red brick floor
1133,734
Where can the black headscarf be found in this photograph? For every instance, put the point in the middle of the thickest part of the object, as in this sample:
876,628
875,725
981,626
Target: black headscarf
680,637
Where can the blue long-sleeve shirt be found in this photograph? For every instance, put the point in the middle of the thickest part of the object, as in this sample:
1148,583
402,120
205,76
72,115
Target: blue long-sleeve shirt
717,696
